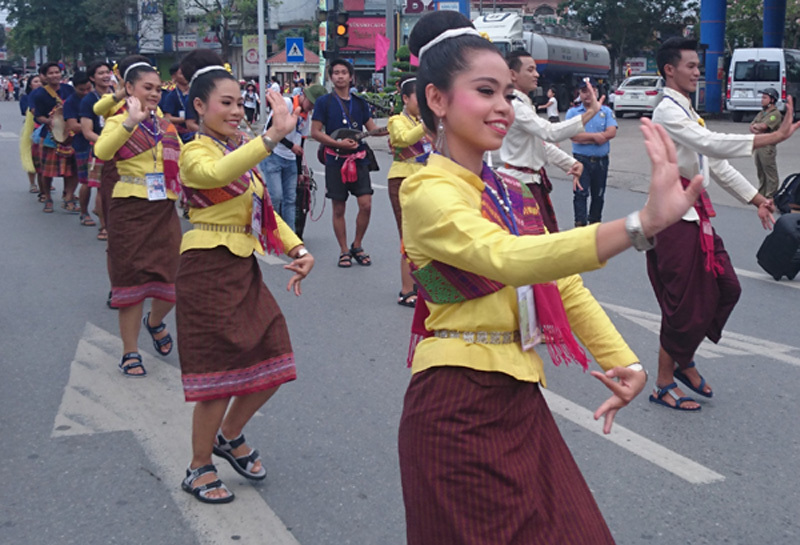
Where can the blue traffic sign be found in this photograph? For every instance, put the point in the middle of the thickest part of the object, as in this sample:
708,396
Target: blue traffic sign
295,50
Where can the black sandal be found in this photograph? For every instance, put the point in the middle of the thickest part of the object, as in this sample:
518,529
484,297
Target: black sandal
243,465
360,256
201,492
345,261
136,362
403,299
158,343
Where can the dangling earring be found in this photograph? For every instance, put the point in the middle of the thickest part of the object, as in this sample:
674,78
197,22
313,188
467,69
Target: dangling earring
441,139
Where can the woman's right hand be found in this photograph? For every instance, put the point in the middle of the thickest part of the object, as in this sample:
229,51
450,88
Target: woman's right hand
667,200
136,113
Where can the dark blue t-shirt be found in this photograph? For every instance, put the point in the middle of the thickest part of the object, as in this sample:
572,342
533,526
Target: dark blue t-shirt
335,113
175,103
72,107
87,110
42,103
23,104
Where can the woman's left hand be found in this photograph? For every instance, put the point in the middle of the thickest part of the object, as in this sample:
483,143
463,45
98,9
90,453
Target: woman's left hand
630,383
301,267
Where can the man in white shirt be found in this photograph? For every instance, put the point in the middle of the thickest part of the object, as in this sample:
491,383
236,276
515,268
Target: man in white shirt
525,148
689,269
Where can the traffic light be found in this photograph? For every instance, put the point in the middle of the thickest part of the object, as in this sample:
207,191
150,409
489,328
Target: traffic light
342,30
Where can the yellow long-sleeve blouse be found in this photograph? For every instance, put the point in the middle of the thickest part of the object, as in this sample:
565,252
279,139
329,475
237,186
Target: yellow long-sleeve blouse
111,139
404,132
204,165
442,221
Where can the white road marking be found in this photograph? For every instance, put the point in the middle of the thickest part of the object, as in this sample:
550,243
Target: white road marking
678,465
764,277
9,135
731,344
99,399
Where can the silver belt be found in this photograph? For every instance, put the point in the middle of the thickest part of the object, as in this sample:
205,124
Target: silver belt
480,337
238,229
133,180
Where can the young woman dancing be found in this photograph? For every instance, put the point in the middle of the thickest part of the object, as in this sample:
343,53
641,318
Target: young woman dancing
481,458
233,341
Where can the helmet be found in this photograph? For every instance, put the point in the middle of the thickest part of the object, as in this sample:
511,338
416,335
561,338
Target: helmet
771,93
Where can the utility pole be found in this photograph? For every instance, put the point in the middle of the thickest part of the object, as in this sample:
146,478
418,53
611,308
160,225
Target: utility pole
390,33
262,57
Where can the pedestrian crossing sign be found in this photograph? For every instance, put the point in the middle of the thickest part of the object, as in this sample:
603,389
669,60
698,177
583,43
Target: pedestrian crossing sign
295,50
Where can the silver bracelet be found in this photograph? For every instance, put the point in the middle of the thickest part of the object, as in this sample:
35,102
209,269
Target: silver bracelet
633,226
268,142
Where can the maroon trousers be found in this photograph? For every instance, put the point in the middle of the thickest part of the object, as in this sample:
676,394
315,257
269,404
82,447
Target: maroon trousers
694,303
482,462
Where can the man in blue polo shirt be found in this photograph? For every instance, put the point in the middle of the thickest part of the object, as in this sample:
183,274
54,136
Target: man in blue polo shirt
591,148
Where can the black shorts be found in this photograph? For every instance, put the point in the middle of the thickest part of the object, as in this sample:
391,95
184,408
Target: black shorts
336,190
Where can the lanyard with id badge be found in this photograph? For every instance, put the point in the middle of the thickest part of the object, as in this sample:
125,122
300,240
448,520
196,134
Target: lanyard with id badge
155,182
530,332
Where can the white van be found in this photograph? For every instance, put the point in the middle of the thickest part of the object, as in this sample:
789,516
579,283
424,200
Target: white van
755,69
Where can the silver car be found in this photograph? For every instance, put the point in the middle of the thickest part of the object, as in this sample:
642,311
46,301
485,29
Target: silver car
639,95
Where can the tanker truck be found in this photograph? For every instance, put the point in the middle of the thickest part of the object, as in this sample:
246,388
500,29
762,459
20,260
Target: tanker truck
561,61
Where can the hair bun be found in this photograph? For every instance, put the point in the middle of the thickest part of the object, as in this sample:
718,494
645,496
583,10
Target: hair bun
432,25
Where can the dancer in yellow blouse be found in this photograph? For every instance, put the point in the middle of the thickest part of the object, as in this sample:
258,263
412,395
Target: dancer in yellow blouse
233,341
481,458
143,228
410,146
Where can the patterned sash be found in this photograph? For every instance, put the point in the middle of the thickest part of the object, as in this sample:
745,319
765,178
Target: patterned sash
203,198
441,283
141,141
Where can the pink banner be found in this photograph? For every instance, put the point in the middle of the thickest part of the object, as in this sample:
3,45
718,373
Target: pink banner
382,44
414,61
362,32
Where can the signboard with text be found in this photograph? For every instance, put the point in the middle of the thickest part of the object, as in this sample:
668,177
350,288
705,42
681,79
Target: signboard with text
363,31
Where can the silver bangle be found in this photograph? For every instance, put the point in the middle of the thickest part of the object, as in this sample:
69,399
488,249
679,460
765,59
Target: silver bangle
633,226
269,142
637,367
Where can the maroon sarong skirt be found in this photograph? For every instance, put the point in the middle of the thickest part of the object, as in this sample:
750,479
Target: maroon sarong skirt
109,176
694,303
144,240
232,336
482,462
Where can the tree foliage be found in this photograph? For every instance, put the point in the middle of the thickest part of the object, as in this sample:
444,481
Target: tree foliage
223,17
627,27
309,33
744,25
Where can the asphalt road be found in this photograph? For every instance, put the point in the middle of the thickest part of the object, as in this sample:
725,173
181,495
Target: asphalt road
92,458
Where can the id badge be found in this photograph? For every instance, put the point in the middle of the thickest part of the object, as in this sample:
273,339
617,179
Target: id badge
257,219
182,114
156,188
427,146
530,334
